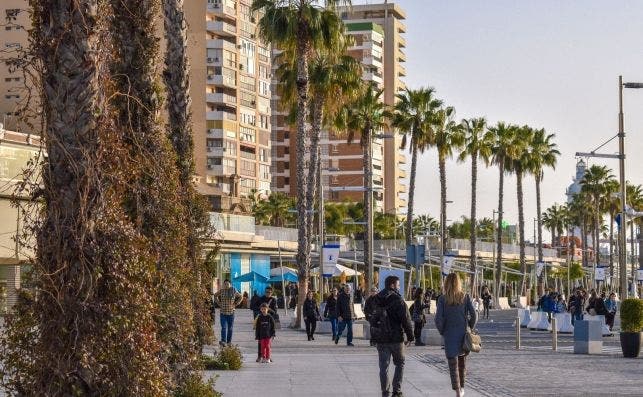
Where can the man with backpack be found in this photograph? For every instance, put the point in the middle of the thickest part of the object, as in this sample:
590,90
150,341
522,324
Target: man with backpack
390,320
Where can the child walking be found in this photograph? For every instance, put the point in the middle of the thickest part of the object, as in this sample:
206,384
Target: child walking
264,332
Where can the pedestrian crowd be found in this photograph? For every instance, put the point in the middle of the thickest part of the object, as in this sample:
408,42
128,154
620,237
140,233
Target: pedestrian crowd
580,303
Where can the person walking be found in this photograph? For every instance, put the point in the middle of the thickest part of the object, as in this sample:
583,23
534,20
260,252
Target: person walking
596,305
486,302
311,314
455,312
264,332
611,306
390,314
369,305
417,315
345,315
330,311
255,302
227,299
271,302
576,306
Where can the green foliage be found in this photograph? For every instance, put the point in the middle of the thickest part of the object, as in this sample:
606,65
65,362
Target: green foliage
576,272
632,315
195,386
228,358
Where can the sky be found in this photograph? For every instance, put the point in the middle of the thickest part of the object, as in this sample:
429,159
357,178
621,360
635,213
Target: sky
547,64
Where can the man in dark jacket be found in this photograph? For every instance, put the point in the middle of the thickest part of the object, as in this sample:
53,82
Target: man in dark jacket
391,343
330,311
345,315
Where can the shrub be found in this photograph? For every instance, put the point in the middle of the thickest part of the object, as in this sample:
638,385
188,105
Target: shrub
195,386
229,358
632,315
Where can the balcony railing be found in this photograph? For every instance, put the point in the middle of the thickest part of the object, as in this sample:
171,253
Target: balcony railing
220,115
230,222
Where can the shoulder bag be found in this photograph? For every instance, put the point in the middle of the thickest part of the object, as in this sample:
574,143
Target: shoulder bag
472,341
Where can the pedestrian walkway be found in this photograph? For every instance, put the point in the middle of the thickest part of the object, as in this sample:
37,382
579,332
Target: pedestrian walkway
321,368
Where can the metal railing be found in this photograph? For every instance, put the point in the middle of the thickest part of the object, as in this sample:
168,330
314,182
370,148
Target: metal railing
277,233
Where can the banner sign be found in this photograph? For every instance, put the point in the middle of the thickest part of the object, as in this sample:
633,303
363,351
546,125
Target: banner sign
600,274
385,272
415,254
540,266
331,253
447,265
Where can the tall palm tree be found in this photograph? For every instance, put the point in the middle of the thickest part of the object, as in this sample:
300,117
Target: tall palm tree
415,113
367,115
302,26
448,137
425,224
477,144
595,183
554,220
542,153
501,153
519,164
634,198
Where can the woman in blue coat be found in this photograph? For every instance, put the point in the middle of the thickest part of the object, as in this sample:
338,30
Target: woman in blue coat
455,311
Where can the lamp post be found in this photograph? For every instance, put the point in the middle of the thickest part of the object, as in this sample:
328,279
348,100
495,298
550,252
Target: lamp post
322,222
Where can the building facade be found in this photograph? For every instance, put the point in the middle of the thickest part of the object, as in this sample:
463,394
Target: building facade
230,73
377,32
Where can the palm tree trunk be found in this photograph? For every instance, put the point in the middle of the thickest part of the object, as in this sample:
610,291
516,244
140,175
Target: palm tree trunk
303,242
539,218
473,236
443,207
409,212
501,181
315,161
611,245
521,230
584,240
368,206
597,233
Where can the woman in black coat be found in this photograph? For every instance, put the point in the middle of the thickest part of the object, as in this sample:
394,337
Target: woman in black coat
417,315
330,311
311,314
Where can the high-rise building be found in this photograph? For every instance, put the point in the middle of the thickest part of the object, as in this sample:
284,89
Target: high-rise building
14,22
377,32
230,72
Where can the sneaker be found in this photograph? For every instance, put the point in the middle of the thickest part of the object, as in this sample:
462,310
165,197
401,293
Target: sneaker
269,360
263,360
336,339
312,337
221,343
258,359
397,394
350,344
462,392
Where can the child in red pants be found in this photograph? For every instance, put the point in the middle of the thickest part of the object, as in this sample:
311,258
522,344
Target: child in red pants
264,332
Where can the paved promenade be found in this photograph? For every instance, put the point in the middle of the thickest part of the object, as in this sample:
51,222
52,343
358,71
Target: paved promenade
321,368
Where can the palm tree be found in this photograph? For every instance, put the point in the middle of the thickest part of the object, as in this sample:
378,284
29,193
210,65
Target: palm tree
448,137
414,115
501,152
634,198
425,224
367,115
542,153
477,144
301,26
519,164
595,183
554,220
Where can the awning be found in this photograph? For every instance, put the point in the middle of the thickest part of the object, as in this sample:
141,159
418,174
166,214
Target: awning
287,277
287,270
337,270
250,277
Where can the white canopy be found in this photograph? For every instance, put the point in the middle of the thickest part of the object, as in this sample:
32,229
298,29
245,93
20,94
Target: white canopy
277,271
337,270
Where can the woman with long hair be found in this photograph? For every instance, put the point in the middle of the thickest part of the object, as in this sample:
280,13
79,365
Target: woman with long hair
455,312
417,315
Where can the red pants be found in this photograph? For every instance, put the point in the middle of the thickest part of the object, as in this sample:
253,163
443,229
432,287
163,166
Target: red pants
265,348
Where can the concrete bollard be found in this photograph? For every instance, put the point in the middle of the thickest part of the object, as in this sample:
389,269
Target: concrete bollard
588,338
554,335
517,333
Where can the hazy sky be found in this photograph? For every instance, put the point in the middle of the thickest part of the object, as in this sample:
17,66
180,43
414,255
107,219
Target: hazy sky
548,64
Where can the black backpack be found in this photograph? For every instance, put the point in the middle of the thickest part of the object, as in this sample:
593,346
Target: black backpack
380,320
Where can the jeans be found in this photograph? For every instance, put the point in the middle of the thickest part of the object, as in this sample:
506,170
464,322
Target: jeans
311,324
333,325
349,332
417,330
227,322
384,352
576,316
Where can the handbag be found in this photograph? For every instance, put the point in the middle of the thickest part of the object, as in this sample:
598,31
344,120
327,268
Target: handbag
472,341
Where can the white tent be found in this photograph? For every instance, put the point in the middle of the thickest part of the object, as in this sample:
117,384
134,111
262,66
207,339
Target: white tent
337,270
277,271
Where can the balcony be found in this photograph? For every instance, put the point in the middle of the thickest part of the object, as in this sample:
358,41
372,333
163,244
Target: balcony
401,56
215,151
221,27
373,61
214,169
222,80
372,76
401,42
221,98
215,133
401,71
220,115
226,9
221,44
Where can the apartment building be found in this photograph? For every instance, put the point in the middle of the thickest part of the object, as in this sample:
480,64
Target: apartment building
230,90
377,31
14,22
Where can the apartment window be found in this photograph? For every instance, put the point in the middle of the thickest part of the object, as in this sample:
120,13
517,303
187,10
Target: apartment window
264,71
231,148
286,165
248,48
248,168
12,96
247,153
247,134
229,166
245,12
264,122
247,185
248,118
263,155
248,99
247,82
264,54
264,171
286,181
214,161
9,79
215,142
264,88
